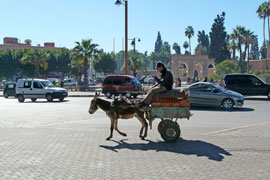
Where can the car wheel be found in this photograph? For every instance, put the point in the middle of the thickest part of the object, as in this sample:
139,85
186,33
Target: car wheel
6,95
21,98
33,99
108,94
227,104
268,95
61,99
49,98
170,132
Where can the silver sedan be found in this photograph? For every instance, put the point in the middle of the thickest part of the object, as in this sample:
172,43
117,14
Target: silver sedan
209,94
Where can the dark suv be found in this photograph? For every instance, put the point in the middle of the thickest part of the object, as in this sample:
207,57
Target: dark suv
121,84
246,84
9,90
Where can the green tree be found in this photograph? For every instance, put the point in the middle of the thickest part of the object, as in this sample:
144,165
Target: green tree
263,51
185,45
239,35
64,61
226,67
105,63
86,50
135,65
176,48
262,13
203,40
189,33
8,64
201,50
232,46
38,58
254,52
249,37
219,40
158,43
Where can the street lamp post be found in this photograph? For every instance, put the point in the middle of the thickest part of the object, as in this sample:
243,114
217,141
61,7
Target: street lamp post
133,43
119,2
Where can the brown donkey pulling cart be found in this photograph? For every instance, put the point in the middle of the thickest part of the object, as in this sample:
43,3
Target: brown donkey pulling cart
169,107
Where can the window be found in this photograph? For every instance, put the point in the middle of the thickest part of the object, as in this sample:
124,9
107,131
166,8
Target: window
127,81
37,85
11,86
108,81
27,84
117,81
254,81
202,88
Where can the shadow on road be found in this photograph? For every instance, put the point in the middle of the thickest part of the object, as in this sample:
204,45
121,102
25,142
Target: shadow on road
257,99
236,109
186,147
47,101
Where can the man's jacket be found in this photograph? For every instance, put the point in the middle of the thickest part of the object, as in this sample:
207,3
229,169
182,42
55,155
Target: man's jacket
166,79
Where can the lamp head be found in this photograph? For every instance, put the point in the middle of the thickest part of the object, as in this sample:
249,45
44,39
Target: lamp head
118,3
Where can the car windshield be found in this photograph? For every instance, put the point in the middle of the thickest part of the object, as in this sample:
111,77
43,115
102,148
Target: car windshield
136,81
47,84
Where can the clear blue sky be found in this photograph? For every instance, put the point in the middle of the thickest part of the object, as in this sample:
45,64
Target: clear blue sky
67,21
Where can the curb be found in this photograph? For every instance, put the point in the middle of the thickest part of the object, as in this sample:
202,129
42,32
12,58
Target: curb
76,95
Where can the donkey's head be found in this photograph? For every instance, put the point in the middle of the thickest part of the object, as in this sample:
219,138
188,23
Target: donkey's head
93,105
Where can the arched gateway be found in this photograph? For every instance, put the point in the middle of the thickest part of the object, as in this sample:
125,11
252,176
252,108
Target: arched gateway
186,66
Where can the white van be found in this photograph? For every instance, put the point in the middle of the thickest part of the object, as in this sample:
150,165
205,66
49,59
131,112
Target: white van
38,88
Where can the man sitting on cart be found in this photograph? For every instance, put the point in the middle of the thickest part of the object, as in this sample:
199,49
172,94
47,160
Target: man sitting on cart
165,83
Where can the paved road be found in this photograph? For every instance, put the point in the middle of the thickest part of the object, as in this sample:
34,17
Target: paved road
60,140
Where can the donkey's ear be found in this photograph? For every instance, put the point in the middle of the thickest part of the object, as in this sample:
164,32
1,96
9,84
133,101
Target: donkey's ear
95,97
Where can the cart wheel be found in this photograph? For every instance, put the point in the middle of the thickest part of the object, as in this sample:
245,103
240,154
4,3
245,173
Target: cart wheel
170,132
162,124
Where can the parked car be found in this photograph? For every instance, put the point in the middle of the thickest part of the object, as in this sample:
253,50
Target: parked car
9,89
208,94
121,84
246,84
38,88
70,82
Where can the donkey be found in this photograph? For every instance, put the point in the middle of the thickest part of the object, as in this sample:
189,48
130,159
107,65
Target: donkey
115,113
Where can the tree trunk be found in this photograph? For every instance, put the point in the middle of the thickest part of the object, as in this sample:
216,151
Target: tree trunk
245,52
233,53
268,28
189,47
264,31
85,72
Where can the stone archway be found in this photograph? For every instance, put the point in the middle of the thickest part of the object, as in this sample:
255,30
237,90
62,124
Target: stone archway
192,62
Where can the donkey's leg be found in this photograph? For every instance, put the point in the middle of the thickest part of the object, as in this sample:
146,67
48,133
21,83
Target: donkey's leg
141,118
116,128
112,117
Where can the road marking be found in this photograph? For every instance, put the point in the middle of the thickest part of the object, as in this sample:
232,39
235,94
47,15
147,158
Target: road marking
234,129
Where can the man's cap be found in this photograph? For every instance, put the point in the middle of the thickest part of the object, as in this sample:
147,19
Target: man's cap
160,64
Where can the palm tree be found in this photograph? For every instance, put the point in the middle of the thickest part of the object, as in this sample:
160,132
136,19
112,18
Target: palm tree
232,46
189,33
249,36
185,45
135,64
238,34
37,58
86,50
261,11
